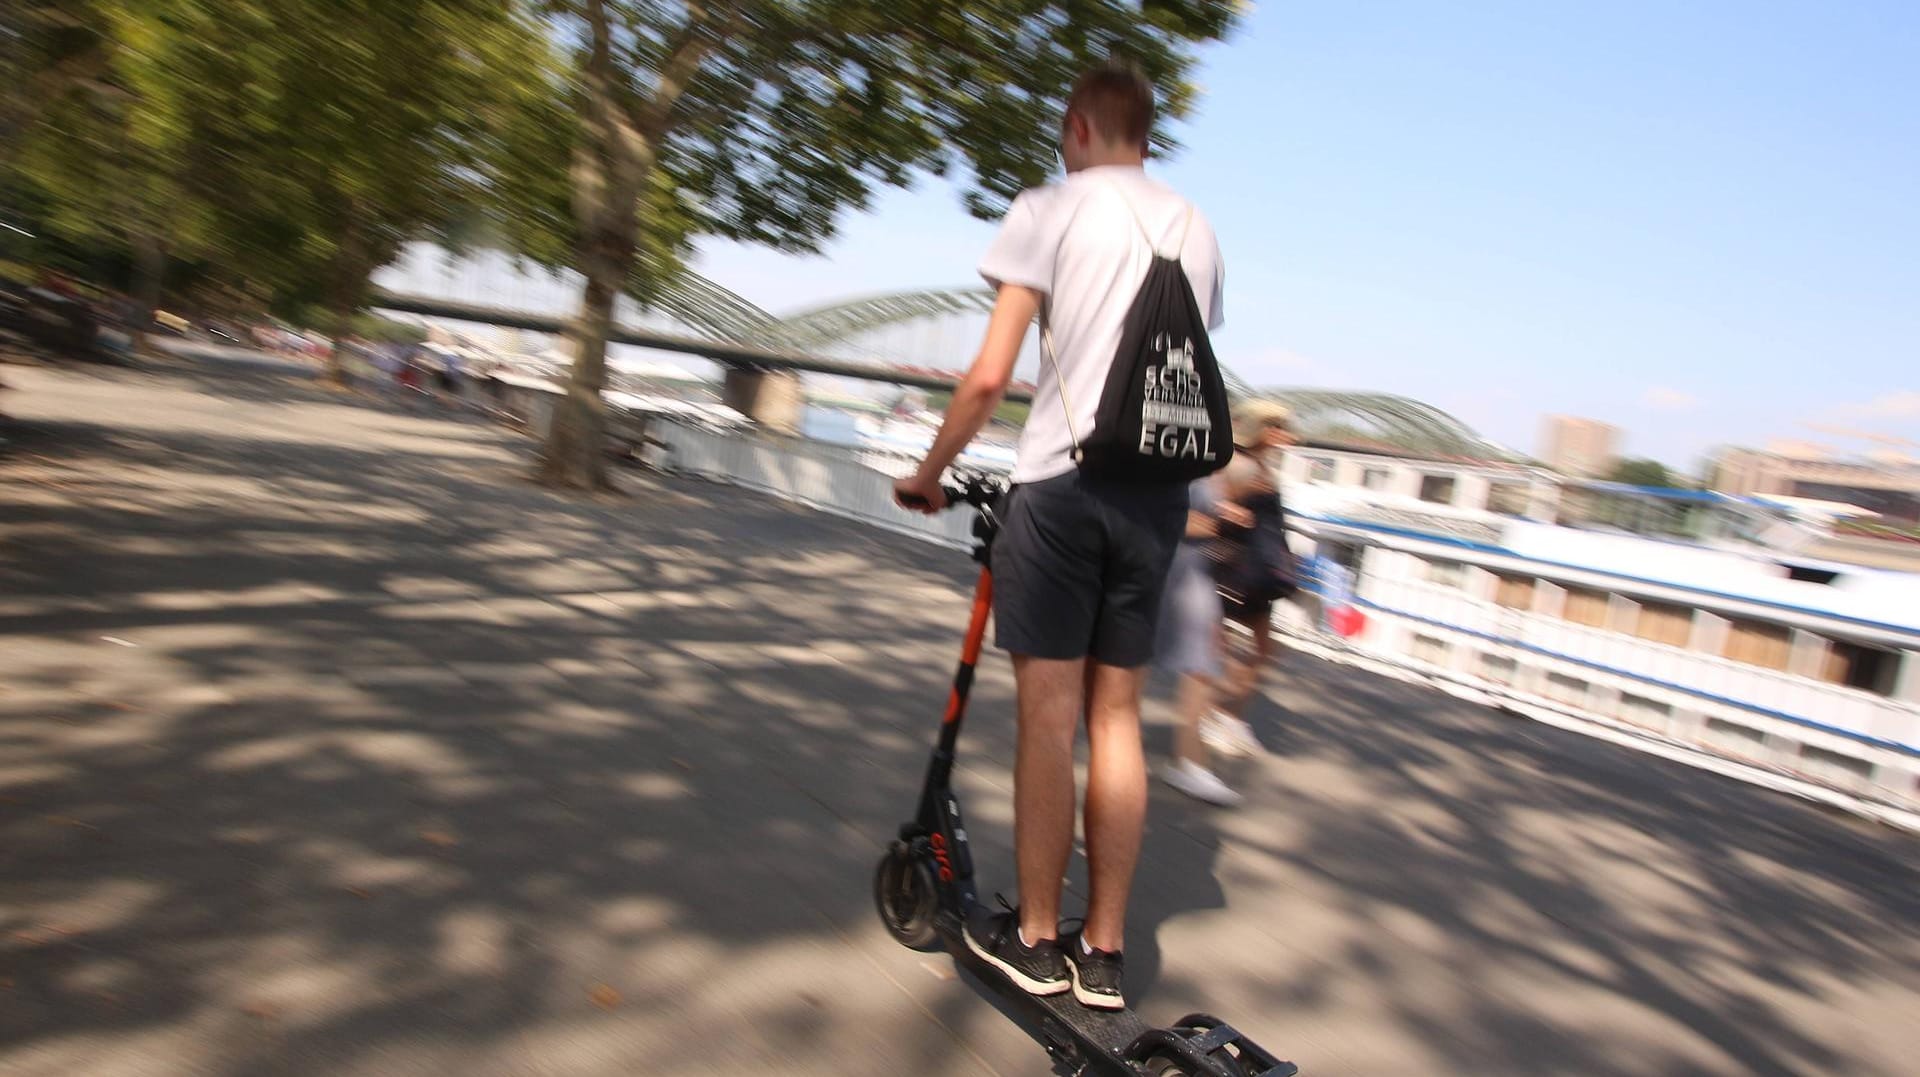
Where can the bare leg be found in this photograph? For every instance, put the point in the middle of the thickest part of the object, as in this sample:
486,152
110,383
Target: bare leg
1116,800
1196,695
1245,665
1235,680
1051,692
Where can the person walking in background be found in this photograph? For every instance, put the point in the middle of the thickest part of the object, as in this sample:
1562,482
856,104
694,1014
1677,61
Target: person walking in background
1252,565
496,390
386,365
408,374
356,360
450,379
1190,640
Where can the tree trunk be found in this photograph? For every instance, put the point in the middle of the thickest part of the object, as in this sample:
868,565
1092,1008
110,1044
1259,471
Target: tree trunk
336,364
611,165
576,438
149,268
348,282
610,168
346,299
574,455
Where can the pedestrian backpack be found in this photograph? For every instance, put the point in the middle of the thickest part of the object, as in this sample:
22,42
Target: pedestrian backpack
1163,414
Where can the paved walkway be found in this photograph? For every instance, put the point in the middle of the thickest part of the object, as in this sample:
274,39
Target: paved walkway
330,746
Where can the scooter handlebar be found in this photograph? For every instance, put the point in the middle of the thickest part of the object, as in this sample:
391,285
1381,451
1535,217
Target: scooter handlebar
977,490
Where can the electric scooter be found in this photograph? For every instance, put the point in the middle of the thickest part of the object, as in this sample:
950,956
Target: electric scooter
924,889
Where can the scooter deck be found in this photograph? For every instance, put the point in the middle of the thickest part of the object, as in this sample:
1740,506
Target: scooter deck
1096,1037
1086,1042
1111,1030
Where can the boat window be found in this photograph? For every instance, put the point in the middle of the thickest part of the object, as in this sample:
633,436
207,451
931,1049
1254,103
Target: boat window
1447,573
1810,574
1565,689
1374,478
1759,644
1740,738
1858,665
1664,622
1497,668
1349,557
1586,606
1515,592
1831,765
1430,650
1508,499
1643,711
1437,489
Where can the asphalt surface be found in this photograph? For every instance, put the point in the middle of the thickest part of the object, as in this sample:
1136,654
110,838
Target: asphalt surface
329,745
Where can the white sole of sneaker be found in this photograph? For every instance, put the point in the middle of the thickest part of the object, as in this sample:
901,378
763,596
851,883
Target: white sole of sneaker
1090,999
1223,743
1025,982
1224,798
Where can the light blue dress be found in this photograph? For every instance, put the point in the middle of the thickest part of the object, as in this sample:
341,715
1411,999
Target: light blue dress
1186,639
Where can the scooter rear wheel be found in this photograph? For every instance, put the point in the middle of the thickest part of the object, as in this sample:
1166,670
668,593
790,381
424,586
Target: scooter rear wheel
1160,1065
907,898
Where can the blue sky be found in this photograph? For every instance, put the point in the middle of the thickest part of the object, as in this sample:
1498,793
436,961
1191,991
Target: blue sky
1699,221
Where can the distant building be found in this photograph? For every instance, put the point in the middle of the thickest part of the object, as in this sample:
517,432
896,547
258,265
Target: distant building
1586,448
1889,487
1799,450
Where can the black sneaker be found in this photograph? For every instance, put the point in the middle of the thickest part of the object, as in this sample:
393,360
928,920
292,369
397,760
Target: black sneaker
1096,973
995,937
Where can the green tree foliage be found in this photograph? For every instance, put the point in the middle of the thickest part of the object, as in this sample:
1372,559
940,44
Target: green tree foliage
1640,472
48,48
382,132
296,144
292,146
106,163
765,121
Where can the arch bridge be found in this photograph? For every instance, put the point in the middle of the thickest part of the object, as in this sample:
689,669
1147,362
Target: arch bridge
919,337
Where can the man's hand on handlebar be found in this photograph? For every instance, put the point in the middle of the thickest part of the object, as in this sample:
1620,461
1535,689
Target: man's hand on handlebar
916,494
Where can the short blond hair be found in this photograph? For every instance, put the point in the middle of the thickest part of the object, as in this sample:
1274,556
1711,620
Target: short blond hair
1253,417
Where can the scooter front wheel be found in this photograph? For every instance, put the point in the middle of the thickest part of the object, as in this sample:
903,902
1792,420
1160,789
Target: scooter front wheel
908,899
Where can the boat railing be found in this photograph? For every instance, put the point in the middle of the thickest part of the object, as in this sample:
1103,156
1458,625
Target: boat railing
1701,676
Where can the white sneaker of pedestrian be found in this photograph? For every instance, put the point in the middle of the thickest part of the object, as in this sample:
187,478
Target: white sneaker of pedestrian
1241,735
1199,783
1217,734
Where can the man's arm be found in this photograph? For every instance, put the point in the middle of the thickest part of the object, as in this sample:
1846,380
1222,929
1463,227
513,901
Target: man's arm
976,396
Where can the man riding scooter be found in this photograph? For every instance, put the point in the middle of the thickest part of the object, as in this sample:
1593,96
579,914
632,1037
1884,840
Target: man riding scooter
1081,559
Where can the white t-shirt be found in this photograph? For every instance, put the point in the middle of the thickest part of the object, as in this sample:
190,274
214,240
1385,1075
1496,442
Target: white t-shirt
1079,243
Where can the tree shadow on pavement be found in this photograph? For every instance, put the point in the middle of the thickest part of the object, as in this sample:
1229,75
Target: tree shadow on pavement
328,749
1526,899
328,745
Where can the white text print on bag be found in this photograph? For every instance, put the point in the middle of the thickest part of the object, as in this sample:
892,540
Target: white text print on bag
1163,414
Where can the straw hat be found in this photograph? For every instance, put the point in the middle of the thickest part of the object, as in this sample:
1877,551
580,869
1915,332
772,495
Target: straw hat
1252,417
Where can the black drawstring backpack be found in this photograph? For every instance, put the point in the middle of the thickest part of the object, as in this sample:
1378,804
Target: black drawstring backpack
1163,415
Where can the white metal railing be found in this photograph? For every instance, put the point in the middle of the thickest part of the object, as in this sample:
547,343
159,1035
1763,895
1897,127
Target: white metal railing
1835,706
854,483
857,484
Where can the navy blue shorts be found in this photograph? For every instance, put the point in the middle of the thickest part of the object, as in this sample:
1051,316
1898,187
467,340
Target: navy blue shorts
1080,565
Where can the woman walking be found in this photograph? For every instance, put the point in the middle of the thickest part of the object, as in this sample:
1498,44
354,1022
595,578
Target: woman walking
1254,567
1190,639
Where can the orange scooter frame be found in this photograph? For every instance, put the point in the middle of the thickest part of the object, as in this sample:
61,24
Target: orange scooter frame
924,890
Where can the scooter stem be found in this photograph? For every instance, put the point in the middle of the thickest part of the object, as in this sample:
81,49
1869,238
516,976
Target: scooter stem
970,648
